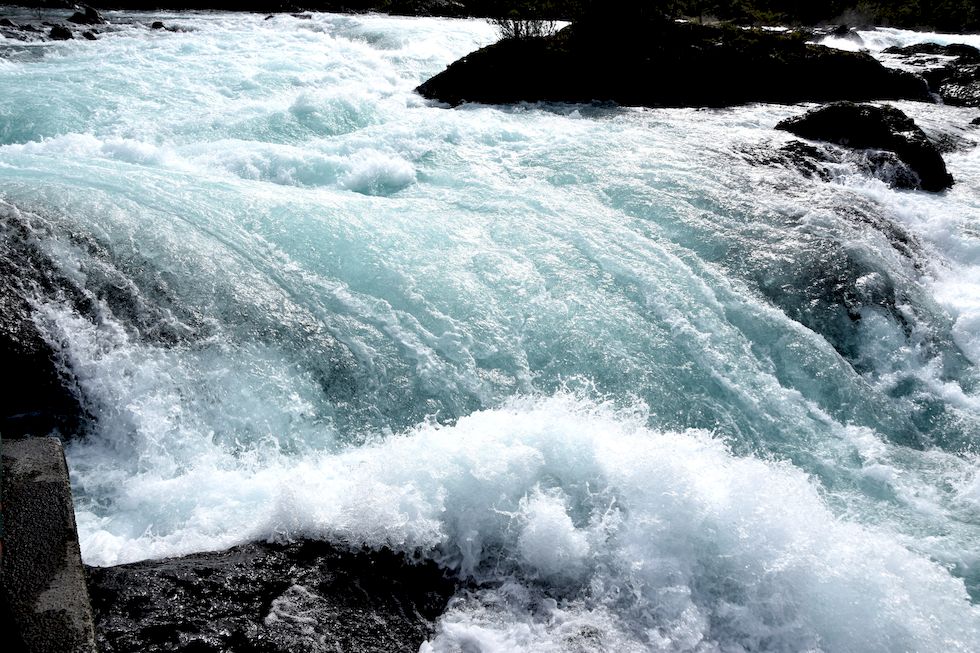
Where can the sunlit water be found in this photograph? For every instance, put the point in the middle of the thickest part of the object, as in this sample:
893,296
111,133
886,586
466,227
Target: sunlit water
645,392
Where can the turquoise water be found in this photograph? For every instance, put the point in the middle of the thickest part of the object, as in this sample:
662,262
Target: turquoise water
645,392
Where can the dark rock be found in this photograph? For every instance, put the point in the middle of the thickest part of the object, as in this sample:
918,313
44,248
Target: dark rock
808,159
975,121
60,33
270,17
869,127
90,36
888,167
89,17
667,64
952,71
157,25
816,161
41,396
29,28
269,598
5,22
844,32
958,86
960,50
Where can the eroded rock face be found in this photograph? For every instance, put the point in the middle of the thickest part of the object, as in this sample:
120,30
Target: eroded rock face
871,127
667,64
307,596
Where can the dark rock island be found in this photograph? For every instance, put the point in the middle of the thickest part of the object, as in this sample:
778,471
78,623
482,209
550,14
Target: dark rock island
661,63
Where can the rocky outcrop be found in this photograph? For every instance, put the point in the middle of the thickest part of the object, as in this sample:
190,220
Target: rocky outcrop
952,71
875,128
87,17
60,33
41,396
269,598
667,64
959,50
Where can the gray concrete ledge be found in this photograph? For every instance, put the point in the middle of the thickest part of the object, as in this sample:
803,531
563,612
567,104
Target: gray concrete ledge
43,579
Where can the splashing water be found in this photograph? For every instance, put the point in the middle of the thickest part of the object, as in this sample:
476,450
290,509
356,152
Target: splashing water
644,391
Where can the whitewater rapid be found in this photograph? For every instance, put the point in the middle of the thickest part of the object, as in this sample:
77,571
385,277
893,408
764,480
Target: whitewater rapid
645,390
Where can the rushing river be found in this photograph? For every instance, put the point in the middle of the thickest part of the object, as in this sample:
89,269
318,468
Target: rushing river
644,391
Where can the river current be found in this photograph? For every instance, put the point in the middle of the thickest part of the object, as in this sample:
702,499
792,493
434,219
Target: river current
643,389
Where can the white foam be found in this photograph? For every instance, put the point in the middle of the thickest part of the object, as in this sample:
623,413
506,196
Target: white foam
660,539
880,38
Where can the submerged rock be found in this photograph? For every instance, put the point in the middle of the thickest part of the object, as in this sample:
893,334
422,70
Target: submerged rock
157,25
870,127
667,64
90,36
307,596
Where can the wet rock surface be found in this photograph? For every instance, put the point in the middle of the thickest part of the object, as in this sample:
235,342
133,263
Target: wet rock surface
269,598
952,71
876,128
42,397
60,33
88,16
667,64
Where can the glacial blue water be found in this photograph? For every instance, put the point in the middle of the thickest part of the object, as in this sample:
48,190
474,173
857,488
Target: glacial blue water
647,392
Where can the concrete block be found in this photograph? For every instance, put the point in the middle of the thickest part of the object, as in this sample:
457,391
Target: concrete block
43,579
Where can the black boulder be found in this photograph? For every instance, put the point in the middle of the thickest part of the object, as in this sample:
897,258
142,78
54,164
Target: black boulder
60,33
89,17
871,127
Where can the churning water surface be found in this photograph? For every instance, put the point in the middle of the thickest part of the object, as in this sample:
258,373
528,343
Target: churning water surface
643,389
